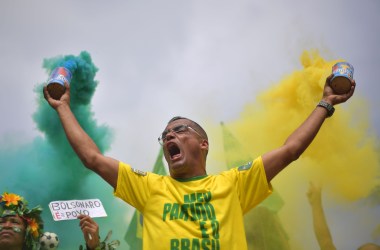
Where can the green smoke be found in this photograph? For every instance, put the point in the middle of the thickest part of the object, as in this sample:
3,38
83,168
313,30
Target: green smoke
61,160
47,169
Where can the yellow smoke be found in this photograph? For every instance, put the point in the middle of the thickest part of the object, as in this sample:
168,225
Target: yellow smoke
343,158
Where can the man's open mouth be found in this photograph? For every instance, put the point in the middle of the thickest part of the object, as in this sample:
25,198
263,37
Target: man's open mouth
173,150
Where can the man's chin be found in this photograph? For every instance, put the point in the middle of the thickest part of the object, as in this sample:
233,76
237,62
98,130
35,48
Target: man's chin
5,242
176,167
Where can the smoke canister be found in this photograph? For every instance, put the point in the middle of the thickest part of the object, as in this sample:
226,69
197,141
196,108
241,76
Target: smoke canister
60,76
56,82
343,74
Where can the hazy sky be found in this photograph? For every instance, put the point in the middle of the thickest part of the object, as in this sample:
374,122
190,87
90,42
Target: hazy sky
156,59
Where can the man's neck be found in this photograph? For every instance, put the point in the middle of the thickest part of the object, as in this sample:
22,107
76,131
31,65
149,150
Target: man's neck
188,175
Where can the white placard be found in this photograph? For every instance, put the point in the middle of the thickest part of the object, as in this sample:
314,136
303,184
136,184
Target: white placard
69,210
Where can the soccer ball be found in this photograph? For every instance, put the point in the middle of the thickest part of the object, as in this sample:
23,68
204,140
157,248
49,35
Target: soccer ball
49,241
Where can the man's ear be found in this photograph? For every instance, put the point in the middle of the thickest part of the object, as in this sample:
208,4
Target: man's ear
204,144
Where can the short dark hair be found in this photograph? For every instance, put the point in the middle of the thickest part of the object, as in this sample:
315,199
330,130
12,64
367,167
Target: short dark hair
195,124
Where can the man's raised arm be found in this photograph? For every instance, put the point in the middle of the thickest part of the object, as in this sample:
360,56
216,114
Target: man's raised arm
276,160
83,145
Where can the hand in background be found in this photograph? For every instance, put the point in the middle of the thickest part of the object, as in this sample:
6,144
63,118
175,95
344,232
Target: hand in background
90,231
314,195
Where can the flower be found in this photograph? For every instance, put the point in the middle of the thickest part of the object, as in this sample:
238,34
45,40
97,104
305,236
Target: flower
11,199
33,225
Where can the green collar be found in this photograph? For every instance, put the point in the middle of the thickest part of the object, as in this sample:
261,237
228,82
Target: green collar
195,178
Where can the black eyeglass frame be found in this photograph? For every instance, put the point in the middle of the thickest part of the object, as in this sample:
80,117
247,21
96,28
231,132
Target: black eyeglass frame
177,129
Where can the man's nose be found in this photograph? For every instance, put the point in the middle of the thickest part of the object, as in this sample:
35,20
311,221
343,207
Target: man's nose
6,224
169,135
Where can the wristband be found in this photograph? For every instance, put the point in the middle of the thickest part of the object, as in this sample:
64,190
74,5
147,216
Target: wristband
330,109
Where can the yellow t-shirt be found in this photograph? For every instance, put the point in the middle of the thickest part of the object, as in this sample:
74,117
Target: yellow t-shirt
199,213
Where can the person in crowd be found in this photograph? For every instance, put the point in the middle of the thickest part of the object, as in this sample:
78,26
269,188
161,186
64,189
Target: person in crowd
20,226
320,225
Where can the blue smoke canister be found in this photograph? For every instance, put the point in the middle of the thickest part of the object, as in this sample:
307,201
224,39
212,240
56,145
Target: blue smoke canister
343,75
60,75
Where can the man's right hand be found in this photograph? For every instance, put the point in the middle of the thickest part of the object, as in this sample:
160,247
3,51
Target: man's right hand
65,98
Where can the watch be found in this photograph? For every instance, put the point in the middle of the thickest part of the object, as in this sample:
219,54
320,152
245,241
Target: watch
330,109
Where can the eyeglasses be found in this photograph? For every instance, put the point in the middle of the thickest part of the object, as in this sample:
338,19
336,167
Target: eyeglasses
178,130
